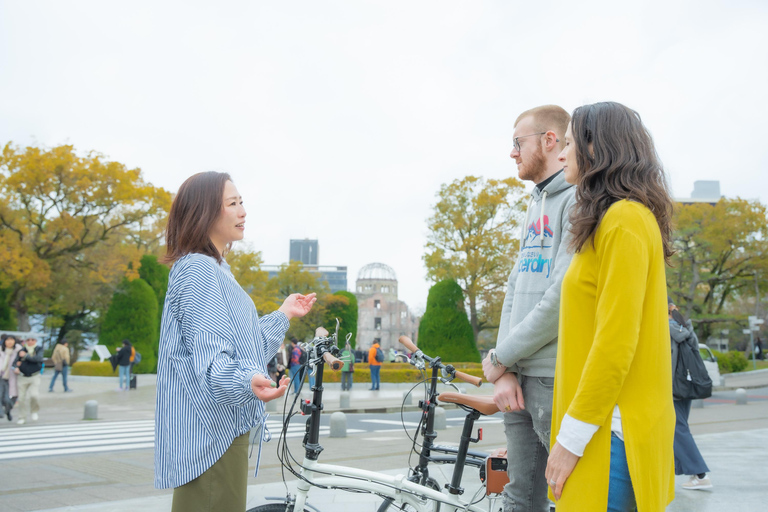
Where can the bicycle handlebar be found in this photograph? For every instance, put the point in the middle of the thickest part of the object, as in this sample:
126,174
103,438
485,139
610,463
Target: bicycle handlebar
406,341
469,379
333,363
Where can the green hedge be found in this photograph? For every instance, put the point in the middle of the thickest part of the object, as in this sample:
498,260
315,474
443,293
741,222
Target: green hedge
93,369
399,372
730,362
445,329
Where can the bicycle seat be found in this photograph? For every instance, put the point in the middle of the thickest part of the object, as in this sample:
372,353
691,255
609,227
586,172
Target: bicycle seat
481,403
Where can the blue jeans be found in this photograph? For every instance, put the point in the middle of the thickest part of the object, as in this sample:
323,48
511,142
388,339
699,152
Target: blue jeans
621,495
527,434
63,373
346,381
125,373
375,376
295,379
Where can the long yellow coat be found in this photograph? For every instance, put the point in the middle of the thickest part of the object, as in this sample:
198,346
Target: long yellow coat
614,349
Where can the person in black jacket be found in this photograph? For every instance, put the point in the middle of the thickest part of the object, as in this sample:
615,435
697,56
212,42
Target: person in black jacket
688,459
124,364
28,364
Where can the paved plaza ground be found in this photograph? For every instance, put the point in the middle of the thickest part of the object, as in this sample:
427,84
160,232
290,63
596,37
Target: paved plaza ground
113,470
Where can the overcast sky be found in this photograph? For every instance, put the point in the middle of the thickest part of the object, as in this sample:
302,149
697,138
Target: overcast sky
340,120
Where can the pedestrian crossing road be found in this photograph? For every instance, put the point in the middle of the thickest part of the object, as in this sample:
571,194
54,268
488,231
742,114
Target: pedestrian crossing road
80,438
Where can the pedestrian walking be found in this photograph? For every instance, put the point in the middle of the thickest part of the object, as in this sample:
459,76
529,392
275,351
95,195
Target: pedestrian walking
375,358
612,404
29,363
297,360
522,366
212,379
8,376
348,370
60,360
688,459
124,365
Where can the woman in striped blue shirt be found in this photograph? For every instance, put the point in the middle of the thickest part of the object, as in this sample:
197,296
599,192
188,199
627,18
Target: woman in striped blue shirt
212,378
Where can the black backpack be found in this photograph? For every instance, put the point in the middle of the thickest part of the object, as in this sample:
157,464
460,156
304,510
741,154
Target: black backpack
691,380
379,355
302,356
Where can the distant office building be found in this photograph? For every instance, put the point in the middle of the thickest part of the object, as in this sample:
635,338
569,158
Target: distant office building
305,251
381,316
703,192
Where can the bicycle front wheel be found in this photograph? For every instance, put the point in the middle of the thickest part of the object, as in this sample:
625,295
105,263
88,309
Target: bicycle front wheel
275,507
389,506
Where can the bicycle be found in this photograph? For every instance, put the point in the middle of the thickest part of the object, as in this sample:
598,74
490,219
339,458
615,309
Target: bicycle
399,491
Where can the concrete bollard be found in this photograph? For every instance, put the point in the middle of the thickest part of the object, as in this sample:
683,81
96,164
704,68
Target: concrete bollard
409,398
91,410
439,418
741,396
697,404
344,398
338,424
271,406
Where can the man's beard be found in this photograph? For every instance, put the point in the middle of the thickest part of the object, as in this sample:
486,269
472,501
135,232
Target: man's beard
534,168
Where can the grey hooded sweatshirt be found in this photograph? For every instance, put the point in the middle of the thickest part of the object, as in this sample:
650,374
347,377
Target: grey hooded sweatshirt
527,341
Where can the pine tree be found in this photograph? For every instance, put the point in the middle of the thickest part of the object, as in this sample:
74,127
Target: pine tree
133,316
445,330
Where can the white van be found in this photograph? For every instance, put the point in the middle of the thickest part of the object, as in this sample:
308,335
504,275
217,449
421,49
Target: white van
710,362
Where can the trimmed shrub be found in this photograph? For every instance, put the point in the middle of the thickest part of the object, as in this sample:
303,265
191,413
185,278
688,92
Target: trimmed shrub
344,307
156,276
729,362
723,363
7,314
445,330
399,372
93,368
738,361
133,316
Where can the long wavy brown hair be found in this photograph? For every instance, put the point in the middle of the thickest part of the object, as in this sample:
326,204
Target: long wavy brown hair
195,209
617,160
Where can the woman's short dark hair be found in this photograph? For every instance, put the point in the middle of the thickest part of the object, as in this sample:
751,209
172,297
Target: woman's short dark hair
617,160
194,211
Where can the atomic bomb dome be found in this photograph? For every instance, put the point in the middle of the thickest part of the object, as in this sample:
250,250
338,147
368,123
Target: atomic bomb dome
378,272
381,317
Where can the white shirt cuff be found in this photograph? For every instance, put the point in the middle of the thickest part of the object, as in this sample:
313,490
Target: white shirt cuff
574,435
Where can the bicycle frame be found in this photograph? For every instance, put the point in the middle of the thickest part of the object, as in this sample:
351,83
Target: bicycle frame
399,489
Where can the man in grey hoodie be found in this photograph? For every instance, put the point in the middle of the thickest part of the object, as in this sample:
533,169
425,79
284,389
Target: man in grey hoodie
522,366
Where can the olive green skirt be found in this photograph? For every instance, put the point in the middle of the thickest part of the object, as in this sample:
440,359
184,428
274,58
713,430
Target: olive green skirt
223,487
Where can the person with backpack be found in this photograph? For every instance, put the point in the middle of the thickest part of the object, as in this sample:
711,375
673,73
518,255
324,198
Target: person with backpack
61,362
348,370
688,459
298,359
375,358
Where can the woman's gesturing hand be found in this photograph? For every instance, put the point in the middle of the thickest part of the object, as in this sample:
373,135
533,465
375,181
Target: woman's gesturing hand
265,388
297,305
560,465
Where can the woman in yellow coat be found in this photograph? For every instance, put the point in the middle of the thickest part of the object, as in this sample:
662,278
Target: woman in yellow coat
613,419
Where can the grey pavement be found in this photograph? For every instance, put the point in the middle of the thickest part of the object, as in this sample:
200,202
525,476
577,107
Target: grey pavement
733,439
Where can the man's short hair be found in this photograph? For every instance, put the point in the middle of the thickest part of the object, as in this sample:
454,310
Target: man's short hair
546,118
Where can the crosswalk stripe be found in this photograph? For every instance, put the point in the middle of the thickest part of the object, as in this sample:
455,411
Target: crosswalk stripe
72,451
392,422
76,426
72,436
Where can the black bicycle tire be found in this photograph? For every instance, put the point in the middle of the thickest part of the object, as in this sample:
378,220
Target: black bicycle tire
387,504
274,507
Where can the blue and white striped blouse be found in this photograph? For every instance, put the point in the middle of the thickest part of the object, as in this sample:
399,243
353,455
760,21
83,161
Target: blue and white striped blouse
212,342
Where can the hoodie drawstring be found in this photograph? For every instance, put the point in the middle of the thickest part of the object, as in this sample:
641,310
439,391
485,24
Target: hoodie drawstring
525,224
541,217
